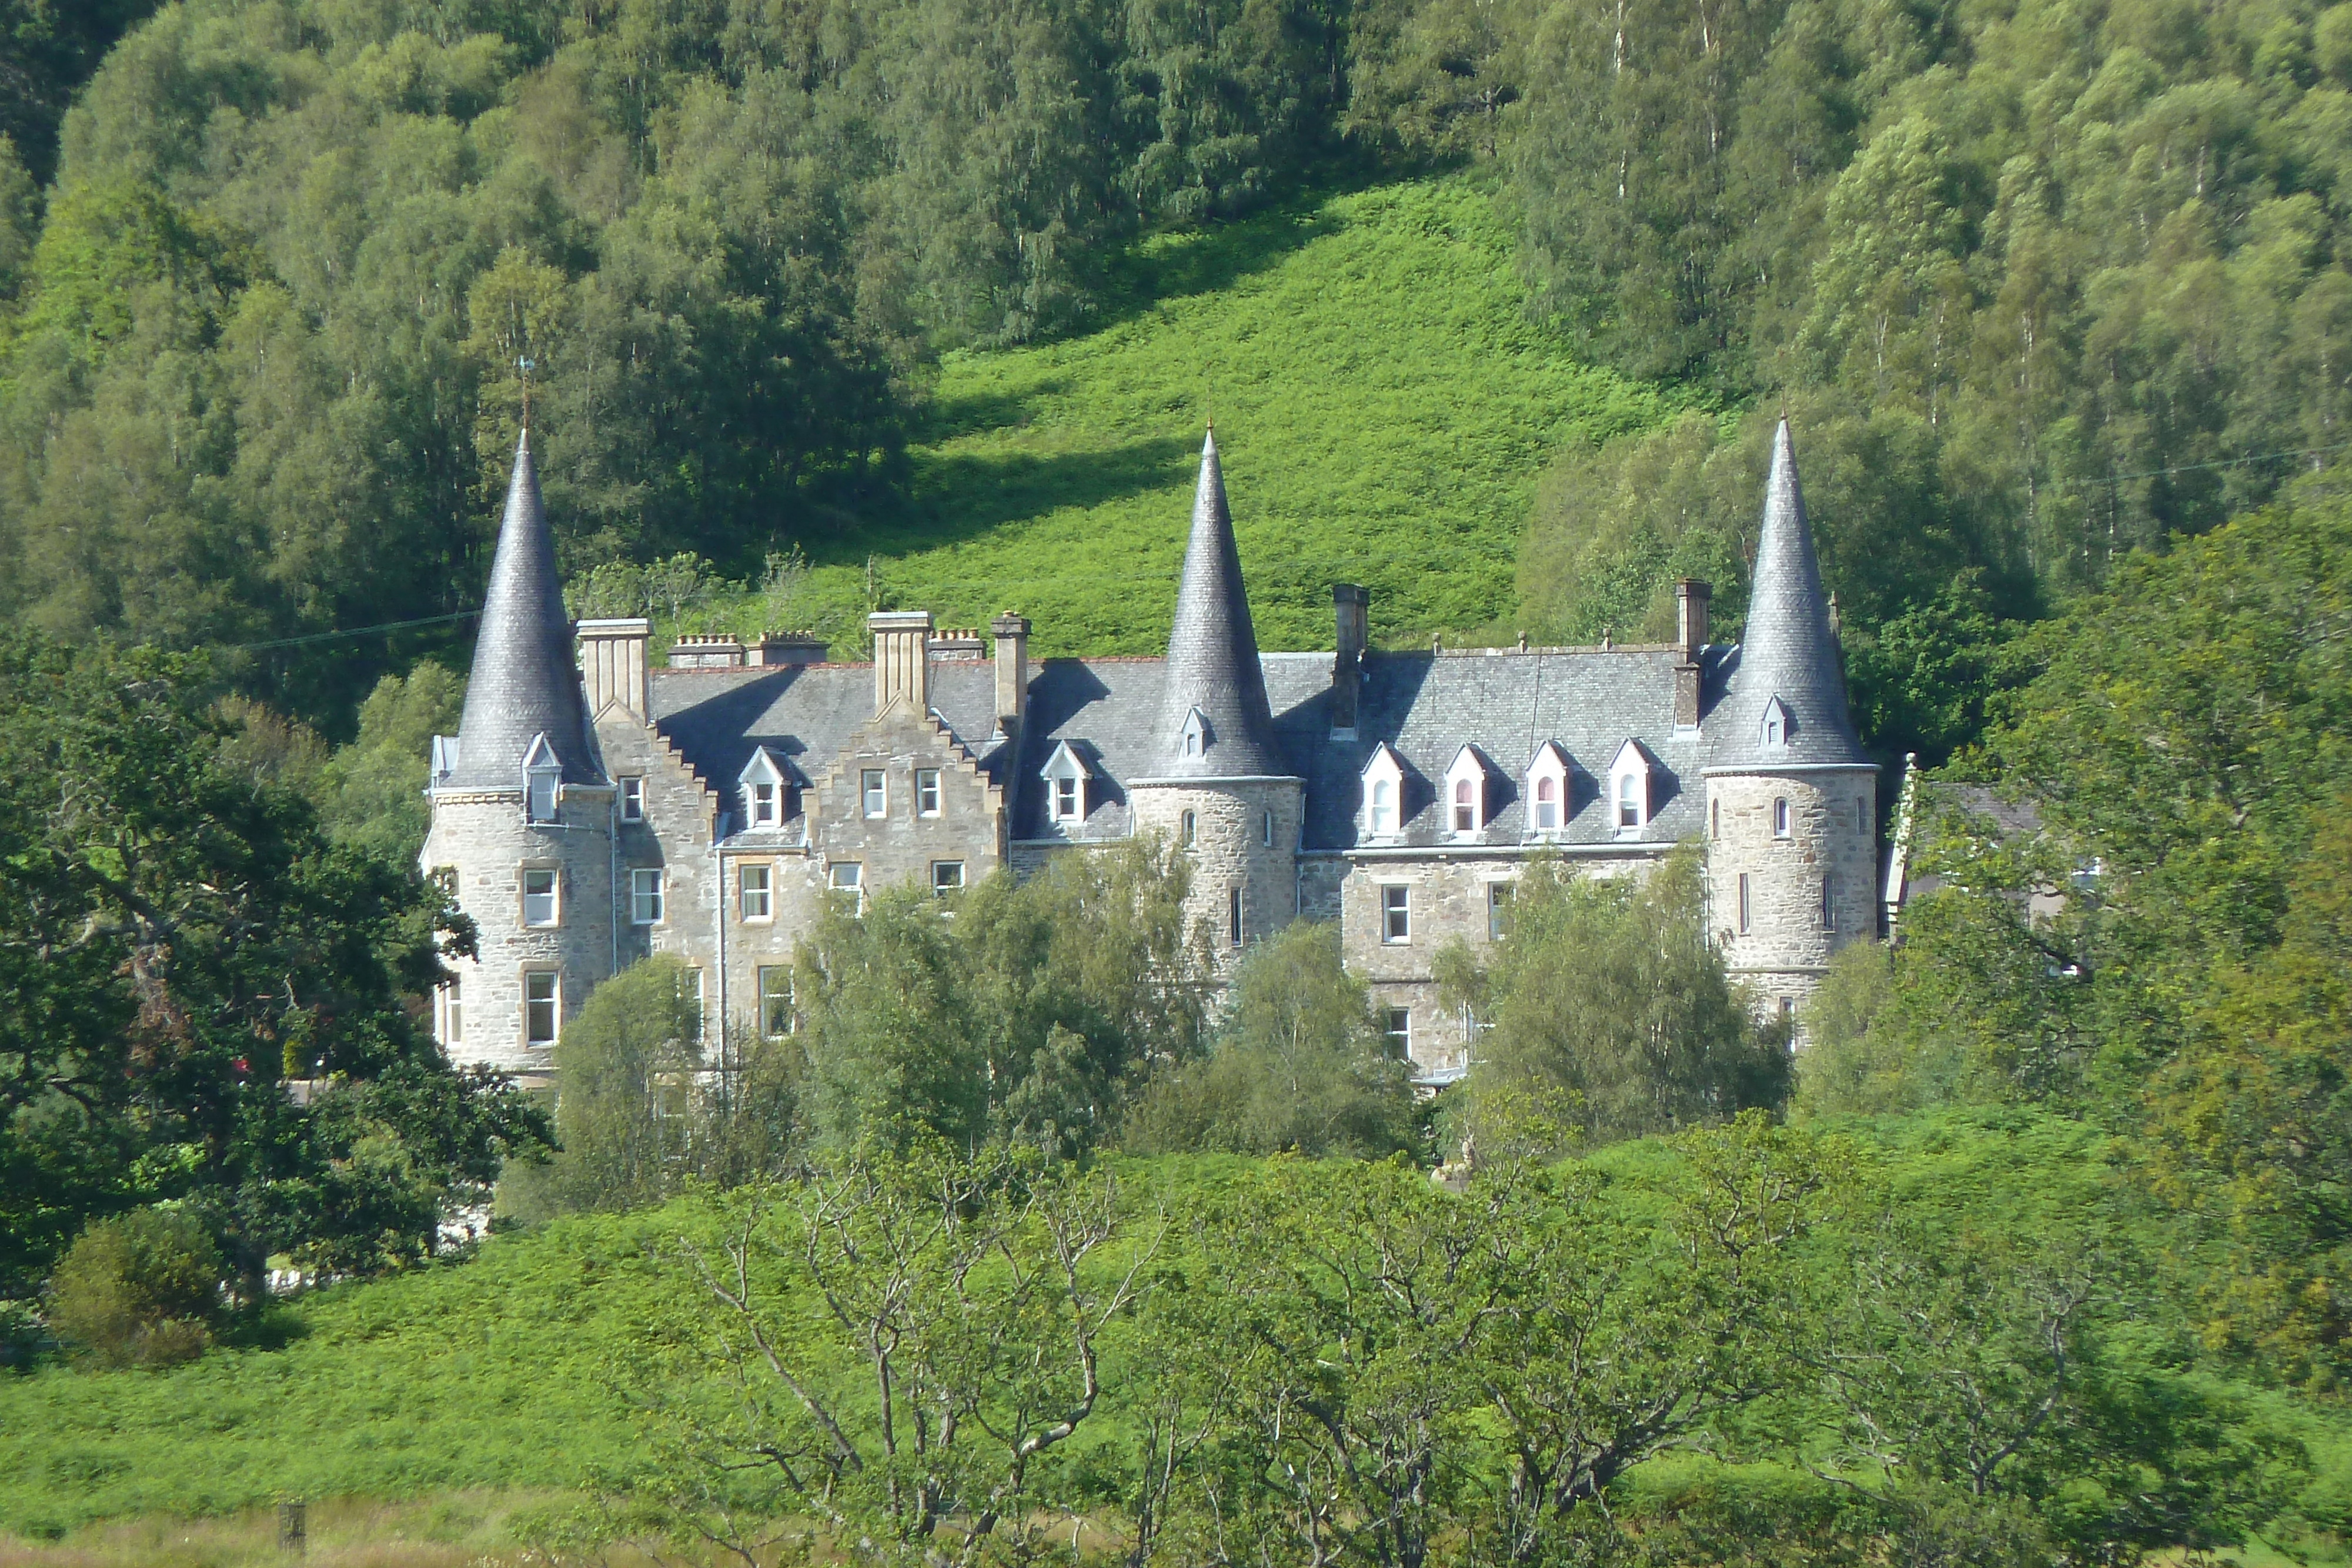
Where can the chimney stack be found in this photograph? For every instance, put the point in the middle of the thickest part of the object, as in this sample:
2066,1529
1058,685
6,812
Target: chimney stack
902,662
774,650
1012,670
613,664
1691,598
1351,612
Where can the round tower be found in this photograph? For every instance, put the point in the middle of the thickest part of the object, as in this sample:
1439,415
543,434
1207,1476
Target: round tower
1791,798
522,814
1221,787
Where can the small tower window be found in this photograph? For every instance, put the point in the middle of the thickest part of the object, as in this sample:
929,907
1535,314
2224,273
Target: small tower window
1715,819
542,775
1829,902
542,794
1266,832
1776,724
1233,916
542,1002
1187,828
1743,903
1196,733
1780,818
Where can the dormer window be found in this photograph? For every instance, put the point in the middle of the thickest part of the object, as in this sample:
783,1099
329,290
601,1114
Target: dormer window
1629,788
763,791
543,776
1065,776
1196,734
1383,794
1465,792
1547,789
1777,726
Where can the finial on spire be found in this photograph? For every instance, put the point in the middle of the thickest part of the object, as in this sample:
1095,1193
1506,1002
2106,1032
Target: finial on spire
526,365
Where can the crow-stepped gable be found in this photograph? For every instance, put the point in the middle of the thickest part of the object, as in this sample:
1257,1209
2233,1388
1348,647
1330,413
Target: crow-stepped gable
595,806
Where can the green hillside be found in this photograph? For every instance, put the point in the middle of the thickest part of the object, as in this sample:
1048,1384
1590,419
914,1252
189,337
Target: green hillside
1382,402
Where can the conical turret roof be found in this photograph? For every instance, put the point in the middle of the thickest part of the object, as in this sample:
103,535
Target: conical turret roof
1213,663
526,681
1788,654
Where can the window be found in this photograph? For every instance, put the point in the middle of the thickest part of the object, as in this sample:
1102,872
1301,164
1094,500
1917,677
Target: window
1187,828
542,781
689,996
1396,914
755,892
1829,902
767,804
1861,815
1465,809
946,877
876,792
1266,830
539,898
632,800
1629,800
1780,819
927,793
1743,903
1788,1012
540,1000
1715,819
847,879
1192,743
1397,1034
1498,910
1776,723
776,1001
1065,799
1383,814
453,1012
645,896
1547,805
1233,916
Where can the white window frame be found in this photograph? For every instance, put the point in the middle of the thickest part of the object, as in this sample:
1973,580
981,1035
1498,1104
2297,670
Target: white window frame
649,895
1188,827
942,889
1396,914
764,782
449,1008
927,793
1631,767
1383,794
1065,785
765,911
1549,766
1783,818
542,783
1747,899
1400,1039
1067,794
1465,794
632,798
552,1002
553,895
847,876
874,792
770,999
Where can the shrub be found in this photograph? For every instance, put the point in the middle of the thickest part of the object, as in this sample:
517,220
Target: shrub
138,1291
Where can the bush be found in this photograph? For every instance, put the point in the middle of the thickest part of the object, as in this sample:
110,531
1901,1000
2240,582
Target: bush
138,1291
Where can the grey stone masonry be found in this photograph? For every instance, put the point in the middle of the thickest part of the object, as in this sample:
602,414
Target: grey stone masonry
1792,874
1241,837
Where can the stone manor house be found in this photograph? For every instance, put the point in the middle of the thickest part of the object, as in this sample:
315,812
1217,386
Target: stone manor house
595,806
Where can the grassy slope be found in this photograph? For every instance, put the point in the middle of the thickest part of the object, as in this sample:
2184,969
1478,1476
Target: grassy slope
498,1373
1384,405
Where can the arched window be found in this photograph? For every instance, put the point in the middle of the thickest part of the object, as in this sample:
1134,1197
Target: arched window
1465,811
1188,827
1192,743
1780,818
1547,805
1384,815
1629,800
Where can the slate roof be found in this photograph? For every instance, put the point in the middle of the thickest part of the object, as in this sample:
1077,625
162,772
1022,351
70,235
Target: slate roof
1787,651
1213,658
525,677
804,715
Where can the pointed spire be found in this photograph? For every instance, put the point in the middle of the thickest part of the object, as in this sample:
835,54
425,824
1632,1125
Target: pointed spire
1789,650
526,680
1213,663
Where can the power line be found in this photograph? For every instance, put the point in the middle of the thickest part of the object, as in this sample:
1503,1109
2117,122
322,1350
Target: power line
352,631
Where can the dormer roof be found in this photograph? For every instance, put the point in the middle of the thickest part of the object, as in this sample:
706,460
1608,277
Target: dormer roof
1212,659
526,678
1789,651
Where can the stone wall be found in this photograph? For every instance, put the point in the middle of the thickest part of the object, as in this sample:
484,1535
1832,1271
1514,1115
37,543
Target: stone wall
681,809
1832,833
482,837
1228,850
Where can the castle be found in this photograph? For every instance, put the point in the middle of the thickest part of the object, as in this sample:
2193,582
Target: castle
594,808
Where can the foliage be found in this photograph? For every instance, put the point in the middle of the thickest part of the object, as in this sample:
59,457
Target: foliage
1861,1058
179,938
139,1289
1608,1011
1300,1065
371,793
